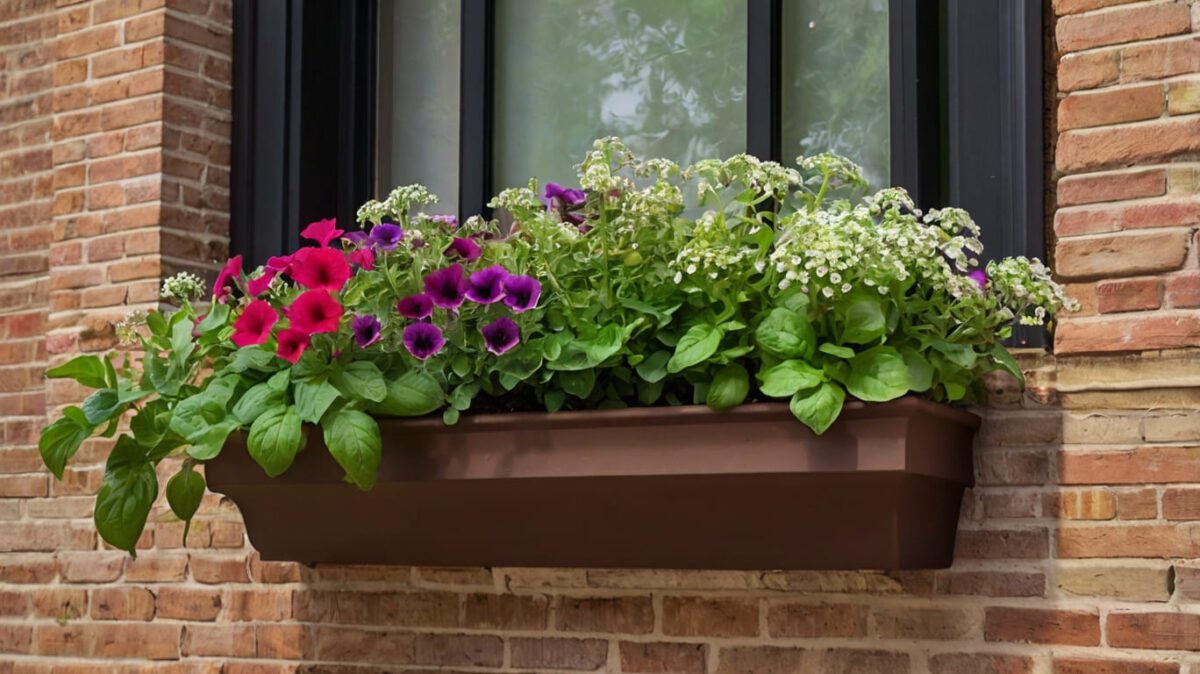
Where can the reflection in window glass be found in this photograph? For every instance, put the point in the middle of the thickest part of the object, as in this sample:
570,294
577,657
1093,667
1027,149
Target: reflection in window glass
668,76
835,82
419,97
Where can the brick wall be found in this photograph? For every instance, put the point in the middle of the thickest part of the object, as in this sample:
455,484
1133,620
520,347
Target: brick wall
1079,550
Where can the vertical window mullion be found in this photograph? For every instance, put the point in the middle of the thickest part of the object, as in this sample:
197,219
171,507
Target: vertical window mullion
763,79
915,99
475,130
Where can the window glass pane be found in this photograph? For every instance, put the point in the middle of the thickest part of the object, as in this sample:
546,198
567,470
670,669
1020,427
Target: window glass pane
418,96
668,76
835,82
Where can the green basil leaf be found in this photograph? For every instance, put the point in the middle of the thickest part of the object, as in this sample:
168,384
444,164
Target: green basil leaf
101,406
185,490
819,407
696,345
279,380
961,355
218,314
554,400
251,358
836,351
786,334
450,416
648,393
578,383
877,375
361,379
313,399
413,394
788,377
604,345
1007,363
126,496
256,401
920,370
729,388
353,439
654,368
209,442
194,415
60,441
274,439
87,370
164,376
864,321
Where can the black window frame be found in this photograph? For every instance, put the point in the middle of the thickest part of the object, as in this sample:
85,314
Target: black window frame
965,101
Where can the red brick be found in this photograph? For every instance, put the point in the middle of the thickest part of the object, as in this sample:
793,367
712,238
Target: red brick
761,660
1183,291
632,615
925,623
148,641
1089,70
122,603
1094,188
1141,22
695,616
553,653
1129,540
1128,295
1042,626
505,611
1166,631
1062,7
1002,544
811,620
658,657
234,641
1181,504
1089,666
1134,466
1137,332
1121,255
962,663
1160,58
1111,106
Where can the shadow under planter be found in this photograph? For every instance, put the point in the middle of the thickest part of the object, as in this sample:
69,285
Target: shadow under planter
664,487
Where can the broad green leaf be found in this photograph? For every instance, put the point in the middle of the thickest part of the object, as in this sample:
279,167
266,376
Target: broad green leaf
786,334
578,383
208,444
605,344
554,400
520,364
59,442
353,439
163,376
654,368
1007,363
313,399
877,375
101,406
218,313
961,355
788,377
696,345
251,358
461,365
185,490
362,380
413,394
864,321
87,370
450,416
729,388
182,345
836,351
796,301
128,492
279,381
920,370
256,401
146,427
274,439
194,415
819,407
573,356
648,393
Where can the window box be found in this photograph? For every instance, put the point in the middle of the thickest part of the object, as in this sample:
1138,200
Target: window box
665,487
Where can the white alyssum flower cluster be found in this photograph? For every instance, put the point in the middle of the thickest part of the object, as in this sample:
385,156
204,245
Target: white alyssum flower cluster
182,287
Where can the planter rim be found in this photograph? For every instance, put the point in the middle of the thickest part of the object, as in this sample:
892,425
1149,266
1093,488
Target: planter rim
676,414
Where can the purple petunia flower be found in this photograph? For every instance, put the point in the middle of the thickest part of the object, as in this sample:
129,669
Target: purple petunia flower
487,285
447,287
500,335
564,200
449,221
415,306
423,340
355,238
979,276
386,236
366,330
521,293
464,248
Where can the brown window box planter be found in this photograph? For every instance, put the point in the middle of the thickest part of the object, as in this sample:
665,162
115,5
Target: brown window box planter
681,487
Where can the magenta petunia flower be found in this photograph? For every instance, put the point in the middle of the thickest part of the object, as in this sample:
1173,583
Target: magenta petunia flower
363,257
521,293
385,236
423,340
279,264
228,278
315,311
320,268
979,276
260,284
486,285
366,330
322,231
292,344
464,248
254,325
415,306
447,287
500,335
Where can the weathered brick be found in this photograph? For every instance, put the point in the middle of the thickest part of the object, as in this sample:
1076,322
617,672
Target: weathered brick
1111,106
1130,583
1143,142
694,616
1122,255
1125,25
1042,626
1129,540
1168,631
960,663
683,658
1129,295
556,653
1093,666
633,615
810,620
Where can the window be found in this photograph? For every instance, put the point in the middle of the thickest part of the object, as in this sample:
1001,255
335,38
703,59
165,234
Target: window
941,97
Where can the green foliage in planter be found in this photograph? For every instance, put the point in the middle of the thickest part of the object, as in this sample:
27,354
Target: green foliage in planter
720,283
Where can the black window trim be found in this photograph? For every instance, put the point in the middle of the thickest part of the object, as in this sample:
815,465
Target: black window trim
304,124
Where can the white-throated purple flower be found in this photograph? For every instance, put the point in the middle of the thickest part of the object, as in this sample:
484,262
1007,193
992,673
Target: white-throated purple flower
449,221
500,335
487,285
415,306
355,237
521,293
447,287
564,200
423,340
386,236
464,248
366,330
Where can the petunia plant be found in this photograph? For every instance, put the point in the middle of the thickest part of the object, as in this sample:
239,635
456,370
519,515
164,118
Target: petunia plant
723,283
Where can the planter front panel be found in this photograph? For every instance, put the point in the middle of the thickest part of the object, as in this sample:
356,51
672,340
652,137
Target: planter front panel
647,488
